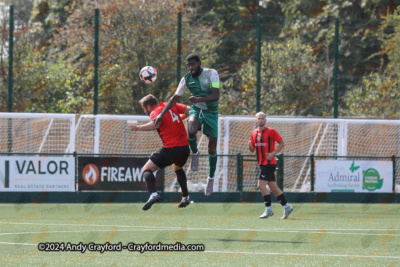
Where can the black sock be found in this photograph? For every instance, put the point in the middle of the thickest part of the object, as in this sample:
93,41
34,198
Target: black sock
182,180
150,181
267,200
282,199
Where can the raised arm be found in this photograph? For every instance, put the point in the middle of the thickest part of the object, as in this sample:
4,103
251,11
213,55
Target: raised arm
157,120
144,127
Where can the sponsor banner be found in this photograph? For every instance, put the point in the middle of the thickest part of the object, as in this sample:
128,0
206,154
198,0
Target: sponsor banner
114,173
353,176
37,174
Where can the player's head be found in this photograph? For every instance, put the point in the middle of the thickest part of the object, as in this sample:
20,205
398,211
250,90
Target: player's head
193,63
148,103
261,119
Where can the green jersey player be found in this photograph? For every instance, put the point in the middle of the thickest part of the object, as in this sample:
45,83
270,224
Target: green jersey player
203,84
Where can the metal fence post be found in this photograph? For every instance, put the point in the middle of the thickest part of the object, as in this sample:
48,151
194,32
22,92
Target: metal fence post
96,61
75,155
239,170
179,49
312,172
11,60
10,78
280,172
258,62
394,173
336,72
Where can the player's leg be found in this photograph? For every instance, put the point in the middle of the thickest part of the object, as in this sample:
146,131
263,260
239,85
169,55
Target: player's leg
280,196
212,155
194,125
211,131
262,185
179,160
148,174
182,180
193,128
212,164
158,160
287,209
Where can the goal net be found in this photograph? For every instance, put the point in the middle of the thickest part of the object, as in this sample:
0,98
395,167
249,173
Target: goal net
303,137
109,134
37,133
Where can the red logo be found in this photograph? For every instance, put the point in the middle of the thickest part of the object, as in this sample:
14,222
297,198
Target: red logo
90,174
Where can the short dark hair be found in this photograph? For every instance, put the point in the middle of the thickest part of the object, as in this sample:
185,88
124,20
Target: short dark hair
193,56
148,100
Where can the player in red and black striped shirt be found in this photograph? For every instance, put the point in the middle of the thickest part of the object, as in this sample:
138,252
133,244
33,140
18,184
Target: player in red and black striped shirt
263,141
175,150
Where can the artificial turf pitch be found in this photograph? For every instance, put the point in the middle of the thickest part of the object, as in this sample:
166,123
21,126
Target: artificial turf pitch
315,234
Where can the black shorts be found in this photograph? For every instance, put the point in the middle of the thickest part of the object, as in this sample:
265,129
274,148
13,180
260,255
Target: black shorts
267,173
173,155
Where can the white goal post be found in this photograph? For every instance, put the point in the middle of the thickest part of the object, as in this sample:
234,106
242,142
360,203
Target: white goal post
110,134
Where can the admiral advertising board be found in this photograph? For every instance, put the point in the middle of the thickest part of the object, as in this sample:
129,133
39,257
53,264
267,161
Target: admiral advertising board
37,174
114,173
353,176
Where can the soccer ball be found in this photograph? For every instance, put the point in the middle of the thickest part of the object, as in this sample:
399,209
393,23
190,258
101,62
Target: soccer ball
148,74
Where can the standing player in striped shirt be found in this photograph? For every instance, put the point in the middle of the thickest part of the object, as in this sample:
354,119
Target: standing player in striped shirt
175,150
262,140
203,84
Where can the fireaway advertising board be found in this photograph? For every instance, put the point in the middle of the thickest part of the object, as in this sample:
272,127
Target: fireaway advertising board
114,173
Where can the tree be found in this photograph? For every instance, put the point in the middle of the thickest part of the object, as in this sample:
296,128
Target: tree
22,10
294,82
377,95
54,65
133,34
358,45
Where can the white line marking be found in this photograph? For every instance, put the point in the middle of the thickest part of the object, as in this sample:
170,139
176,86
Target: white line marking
300,254
77,231
179,228
23,244
151,228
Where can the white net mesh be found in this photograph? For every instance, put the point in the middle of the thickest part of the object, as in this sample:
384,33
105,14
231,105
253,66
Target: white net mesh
115,137
85,134
105,134
373,139
35,133
301,138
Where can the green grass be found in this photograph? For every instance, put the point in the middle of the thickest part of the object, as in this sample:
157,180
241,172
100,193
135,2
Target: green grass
233,235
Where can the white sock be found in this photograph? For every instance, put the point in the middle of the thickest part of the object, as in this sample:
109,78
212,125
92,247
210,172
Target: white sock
154,194
209,178
286,205
269,208
186,197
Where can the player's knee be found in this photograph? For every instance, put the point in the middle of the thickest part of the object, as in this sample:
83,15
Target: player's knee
212,145
272,186
193,127
260,187
264,190
212,151
148,176
180,174
192,134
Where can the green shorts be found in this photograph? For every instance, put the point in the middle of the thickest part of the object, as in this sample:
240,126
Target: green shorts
208,118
